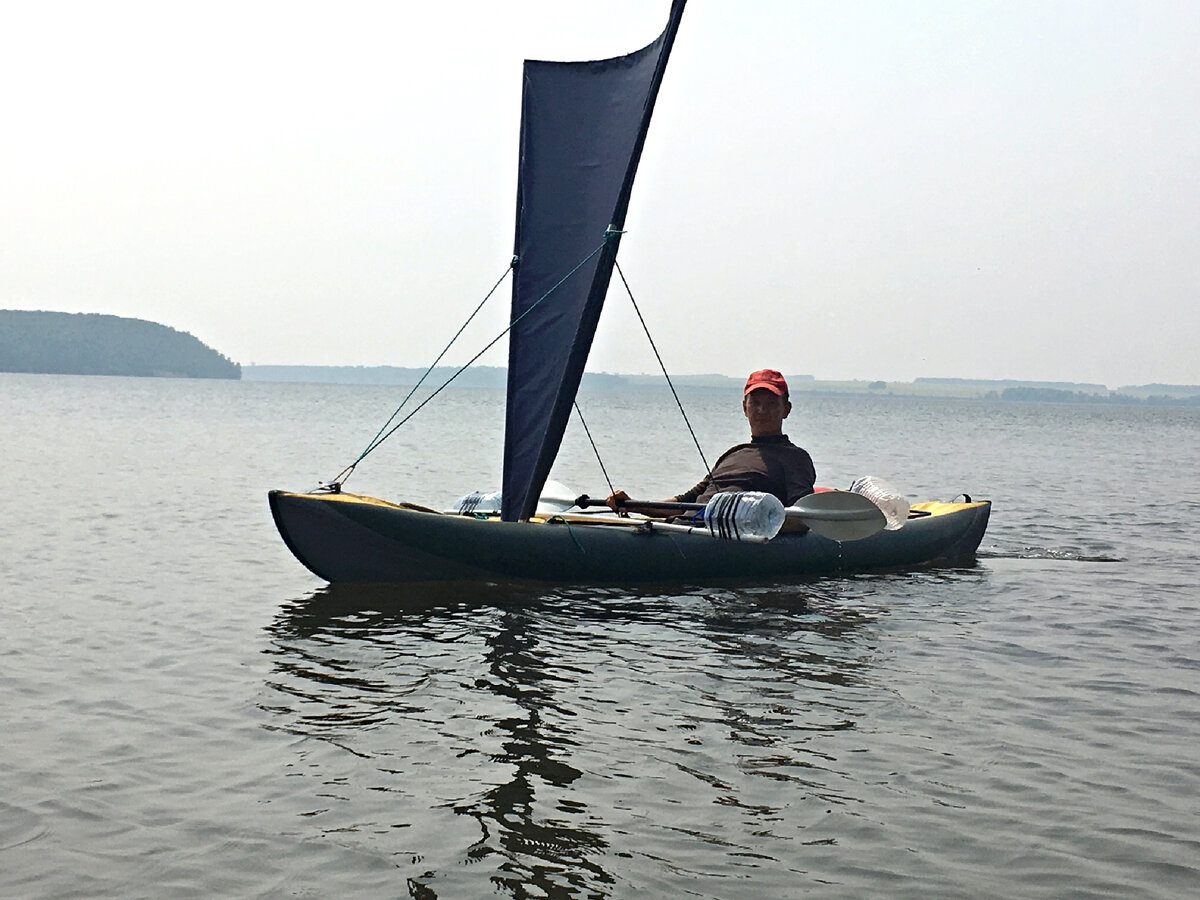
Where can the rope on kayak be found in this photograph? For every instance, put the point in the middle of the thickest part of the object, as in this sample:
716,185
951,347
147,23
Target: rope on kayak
384,433
662,366
595,449
559,520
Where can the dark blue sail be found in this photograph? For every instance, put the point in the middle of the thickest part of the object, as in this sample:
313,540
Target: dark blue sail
583,125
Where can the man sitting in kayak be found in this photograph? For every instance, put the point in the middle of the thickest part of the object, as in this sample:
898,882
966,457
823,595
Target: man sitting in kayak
769,463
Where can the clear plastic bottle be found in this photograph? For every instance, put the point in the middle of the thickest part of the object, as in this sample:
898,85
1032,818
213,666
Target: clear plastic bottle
886,497
744,516
478,503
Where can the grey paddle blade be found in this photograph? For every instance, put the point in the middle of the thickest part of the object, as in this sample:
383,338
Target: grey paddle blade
838,515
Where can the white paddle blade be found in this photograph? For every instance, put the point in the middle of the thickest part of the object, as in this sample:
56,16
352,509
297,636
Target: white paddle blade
838,515
555,498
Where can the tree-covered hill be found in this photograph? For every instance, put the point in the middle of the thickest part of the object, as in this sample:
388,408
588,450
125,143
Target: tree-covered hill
93,344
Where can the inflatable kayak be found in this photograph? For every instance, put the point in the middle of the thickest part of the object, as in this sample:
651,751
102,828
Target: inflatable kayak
343,537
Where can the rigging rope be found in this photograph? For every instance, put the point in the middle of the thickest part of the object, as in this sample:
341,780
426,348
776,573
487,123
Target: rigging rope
383,434
595,450
657,356
376,440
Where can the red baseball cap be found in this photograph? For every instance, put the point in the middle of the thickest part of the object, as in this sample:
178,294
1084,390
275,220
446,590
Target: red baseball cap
769,379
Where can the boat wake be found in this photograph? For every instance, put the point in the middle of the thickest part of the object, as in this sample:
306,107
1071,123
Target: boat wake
1048,554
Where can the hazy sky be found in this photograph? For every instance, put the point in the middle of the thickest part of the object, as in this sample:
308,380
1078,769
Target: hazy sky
848,190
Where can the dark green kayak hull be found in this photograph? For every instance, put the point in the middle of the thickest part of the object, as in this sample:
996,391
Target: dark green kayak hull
351,538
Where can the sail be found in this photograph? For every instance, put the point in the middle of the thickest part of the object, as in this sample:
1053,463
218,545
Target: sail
583,125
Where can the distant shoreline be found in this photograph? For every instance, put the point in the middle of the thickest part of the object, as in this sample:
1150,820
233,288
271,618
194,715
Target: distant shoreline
972,389
57,343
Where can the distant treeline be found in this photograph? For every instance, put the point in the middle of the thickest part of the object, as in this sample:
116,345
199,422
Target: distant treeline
496,377
93,344
1069,392
1052,395
1161,390
476,376
1000,383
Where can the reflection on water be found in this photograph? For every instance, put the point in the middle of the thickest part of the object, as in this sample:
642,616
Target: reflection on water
537,713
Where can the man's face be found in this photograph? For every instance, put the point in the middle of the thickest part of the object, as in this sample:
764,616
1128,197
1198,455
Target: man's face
765,411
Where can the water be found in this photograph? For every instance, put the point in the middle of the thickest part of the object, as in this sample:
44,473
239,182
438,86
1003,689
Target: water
189,713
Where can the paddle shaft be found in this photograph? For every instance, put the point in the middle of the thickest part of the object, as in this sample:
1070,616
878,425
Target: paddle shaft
647,507
796,511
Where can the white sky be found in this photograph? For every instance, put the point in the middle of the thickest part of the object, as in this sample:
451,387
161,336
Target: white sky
868,190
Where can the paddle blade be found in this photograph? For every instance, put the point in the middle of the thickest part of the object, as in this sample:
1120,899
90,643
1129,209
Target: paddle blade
838,515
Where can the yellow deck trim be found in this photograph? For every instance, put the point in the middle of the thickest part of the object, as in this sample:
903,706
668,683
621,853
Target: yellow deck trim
941,508
344,497
933,507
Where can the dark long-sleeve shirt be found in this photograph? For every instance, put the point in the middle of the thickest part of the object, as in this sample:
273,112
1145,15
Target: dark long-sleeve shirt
771,464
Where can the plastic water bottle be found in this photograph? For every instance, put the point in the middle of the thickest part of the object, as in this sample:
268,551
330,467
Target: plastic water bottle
886,497
744,516
478,502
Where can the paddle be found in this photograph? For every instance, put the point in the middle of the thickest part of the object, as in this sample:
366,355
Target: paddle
837,515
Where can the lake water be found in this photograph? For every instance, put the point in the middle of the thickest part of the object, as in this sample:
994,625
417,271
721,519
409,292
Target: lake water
189,713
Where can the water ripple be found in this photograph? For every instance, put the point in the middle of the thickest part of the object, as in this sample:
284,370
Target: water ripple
188,717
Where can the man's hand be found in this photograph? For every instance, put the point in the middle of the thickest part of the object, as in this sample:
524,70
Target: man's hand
616,500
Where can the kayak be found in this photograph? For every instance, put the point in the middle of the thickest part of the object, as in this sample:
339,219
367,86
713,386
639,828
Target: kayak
343,537
583,129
